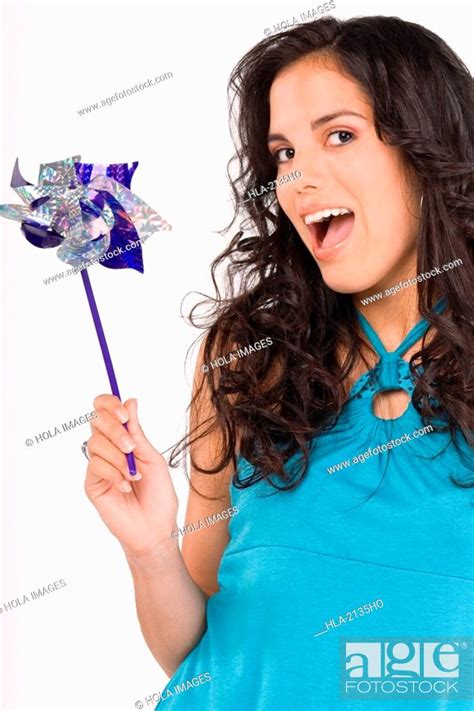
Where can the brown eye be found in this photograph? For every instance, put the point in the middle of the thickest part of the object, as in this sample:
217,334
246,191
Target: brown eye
343,136
284,154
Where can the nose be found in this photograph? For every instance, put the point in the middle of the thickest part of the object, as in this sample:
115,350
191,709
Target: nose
302,187
313,168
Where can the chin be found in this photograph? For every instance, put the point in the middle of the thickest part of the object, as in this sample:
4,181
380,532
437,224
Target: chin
347,283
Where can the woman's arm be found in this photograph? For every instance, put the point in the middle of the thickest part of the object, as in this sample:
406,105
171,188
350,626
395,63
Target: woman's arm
171,608
203,549
171,588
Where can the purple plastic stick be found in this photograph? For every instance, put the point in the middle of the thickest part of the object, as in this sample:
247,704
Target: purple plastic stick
132,467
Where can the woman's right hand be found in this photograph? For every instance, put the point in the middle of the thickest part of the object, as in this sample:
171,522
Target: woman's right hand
144,517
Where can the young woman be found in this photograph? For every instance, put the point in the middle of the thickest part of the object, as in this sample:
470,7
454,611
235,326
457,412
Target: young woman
344,443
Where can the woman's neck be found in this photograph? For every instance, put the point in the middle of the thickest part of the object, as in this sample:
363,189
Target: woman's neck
392,317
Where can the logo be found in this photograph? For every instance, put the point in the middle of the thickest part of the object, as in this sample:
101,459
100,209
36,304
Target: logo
412,668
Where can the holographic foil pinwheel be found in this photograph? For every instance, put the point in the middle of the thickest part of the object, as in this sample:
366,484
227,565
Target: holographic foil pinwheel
86,210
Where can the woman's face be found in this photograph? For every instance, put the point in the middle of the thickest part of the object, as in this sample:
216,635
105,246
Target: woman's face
321,124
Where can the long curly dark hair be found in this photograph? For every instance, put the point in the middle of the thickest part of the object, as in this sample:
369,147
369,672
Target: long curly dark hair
271,405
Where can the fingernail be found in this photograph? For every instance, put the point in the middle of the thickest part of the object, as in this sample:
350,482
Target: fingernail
122,415
136,477
125,487
127,444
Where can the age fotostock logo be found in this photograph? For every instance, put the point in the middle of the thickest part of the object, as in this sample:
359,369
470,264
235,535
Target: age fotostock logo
412,668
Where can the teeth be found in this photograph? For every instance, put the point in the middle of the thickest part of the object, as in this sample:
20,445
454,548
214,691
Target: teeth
322,215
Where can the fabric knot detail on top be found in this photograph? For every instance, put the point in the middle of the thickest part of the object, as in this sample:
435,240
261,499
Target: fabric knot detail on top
388,374
392,371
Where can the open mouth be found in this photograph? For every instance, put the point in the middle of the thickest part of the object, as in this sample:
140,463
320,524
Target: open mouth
330,228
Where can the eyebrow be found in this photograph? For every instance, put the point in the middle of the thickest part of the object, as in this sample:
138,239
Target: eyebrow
317,123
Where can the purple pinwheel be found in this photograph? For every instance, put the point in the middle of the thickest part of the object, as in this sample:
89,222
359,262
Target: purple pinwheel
86,210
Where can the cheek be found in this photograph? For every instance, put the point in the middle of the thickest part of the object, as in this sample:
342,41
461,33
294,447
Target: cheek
287,203
282,196
369,164
381,191
383,175
393,216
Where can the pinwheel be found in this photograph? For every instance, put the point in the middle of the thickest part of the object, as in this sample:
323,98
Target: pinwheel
85,210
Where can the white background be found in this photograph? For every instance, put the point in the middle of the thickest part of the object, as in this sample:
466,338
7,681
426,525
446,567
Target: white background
81,647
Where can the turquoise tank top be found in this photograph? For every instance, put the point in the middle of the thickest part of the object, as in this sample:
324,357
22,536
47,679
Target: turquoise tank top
356,585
